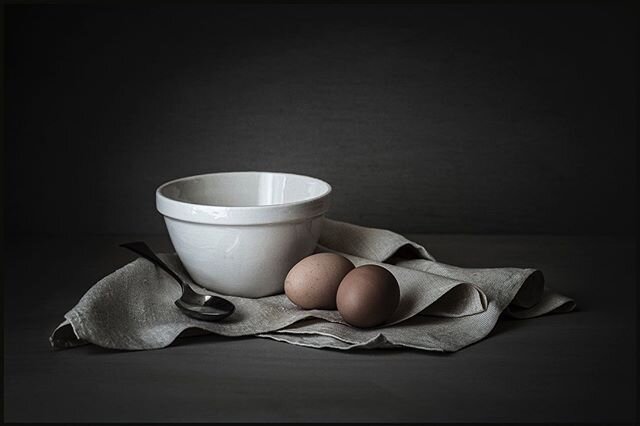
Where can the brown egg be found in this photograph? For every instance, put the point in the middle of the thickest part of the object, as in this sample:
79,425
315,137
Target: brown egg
313,282
368,296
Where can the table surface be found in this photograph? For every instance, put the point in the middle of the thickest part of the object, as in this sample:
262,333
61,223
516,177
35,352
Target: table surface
576,367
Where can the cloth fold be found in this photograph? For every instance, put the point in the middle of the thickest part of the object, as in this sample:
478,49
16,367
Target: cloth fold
442,307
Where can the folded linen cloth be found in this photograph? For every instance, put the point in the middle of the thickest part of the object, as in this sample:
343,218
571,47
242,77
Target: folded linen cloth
442,307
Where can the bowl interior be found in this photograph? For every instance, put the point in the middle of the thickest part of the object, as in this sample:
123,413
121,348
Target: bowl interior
245,189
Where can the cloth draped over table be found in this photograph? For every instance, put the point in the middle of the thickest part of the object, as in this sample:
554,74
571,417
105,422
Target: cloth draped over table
442,307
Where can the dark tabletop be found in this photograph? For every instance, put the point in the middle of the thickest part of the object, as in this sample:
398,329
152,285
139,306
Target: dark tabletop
568,367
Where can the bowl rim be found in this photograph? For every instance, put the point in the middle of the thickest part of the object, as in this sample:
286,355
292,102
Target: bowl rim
242,215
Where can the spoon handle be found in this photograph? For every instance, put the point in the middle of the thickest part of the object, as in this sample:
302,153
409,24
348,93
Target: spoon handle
143,250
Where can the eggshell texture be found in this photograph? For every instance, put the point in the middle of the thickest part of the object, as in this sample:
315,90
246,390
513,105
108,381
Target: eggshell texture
313,282
368,296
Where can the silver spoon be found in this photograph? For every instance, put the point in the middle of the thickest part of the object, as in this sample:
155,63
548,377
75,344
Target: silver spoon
200,306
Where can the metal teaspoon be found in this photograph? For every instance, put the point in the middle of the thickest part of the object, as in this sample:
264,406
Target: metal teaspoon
200,306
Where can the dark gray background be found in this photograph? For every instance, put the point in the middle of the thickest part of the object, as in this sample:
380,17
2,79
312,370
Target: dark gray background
424,118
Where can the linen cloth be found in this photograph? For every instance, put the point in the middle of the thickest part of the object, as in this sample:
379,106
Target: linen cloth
442,307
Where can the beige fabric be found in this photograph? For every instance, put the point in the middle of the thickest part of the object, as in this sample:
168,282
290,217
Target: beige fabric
442,307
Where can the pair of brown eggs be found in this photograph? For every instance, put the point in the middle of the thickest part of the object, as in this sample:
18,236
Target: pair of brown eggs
365,296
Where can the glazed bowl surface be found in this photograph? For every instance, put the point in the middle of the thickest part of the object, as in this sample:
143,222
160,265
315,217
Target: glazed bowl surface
239,233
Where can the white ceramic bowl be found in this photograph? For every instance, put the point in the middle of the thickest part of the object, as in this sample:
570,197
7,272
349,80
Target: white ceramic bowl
239,233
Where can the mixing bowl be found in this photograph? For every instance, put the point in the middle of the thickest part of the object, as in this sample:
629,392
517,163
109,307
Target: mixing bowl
239,233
